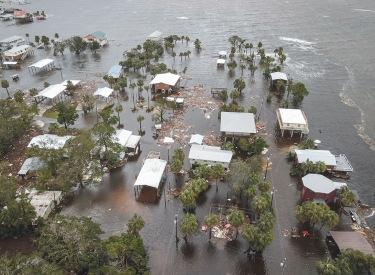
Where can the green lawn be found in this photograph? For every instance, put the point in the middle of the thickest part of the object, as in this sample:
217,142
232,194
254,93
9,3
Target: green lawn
53,113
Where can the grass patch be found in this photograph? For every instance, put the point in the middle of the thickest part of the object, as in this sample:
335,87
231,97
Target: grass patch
53,113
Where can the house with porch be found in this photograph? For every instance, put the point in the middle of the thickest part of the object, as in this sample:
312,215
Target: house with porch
234,124
210,155
18,53
116,71
129,141
10,42
293,120
165,83
98,36
337,163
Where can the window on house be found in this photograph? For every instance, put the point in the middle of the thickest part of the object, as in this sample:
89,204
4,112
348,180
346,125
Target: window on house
205,160
287,124
299,125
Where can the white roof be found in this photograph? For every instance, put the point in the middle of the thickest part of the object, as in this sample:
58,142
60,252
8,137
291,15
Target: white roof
338,185
16,49
30,164
318,183
151,173
168,140
295,116
168,78
43,201
10,39
232,122
42,63
133,141
49,141
210,153
278,75
9,62
180,100
74,82
52,91
155,34
196,139
123,136
316,155
222,53
220,61
104,92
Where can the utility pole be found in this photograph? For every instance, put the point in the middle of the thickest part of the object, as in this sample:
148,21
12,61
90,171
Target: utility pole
283,264
175,220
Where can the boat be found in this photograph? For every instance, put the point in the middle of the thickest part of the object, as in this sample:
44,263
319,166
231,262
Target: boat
40,46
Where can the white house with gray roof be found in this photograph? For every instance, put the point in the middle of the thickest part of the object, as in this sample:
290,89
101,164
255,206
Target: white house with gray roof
237,124
210,155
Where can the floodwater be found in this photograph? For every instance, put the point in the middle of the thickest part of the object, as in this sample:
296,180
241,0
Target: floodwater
329,48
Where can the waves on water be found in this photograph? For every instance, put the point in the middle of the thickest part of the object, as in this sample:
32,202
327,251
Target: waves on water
363,10
301,44
183,18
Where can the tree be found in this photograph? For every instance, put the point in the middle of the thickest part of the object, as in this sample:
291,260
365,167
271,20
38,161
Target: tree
252,68
88,102
135,224
197,45
258,145
211,221
187,198
5,85
253,110
128,253
188,225
234,95
242,67
67,114
81,166
327,267
232,65
347,197
18,96
110,81
60,46
37,39
249,233
307,144
199,185
262,240
118,109
299,91
217,172
108,116
266,221
123,82
71,242
319,167
45,40
176,166
94,46
103,135
264,186
260,205
236,218
16,217
358,262
239,84
163,105
27,36
46,84
140,119
76,44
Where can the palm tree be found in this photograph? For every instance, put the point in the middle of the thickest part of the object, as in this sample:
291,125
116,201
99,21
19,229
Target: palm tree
140,119
173,55
242,67
182,39
37,39
56,35
327,268
239,84
259,46
132,86
217,172
188,54
187,198
276,51
188,225
266,221
260,205
264,186
5,85
250,47
118,109
181,55
252,68
211,221
111,81
249,233
330,219
135,224
27,36
236,218
187,39
319,167
234,95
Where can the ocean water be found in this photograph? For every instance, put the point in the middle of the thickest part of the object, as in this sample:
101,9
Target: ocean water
329,47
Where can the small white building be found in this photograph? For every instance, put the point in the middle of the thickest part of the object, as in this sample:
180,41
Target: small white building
210,155
11,42
45,202
156,36
276,76
104,92
48,141
196,139
129,141
293,120
51,92
18,53
30,164
237,124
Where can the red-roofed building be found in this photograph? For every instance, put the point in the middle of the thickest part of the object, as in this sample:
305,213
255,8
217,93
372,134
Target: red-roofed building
19,14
